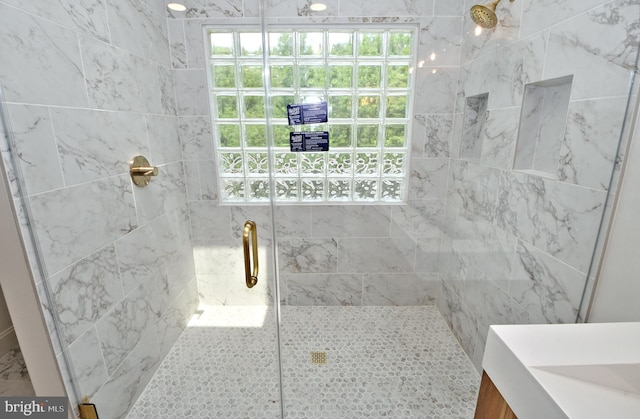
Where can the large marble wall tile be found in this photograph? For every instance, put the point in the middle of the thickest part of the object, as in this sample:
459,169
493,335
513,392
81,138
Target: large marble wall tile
209,220
225,257
516,65
457,315
418,219
118,80
428,255
541,14
261,215
548,289
88,16
435,90
208,179
192,181
350,221
556,217
598,47
399,289
484,250
194,44
35,148
140,28
88,366
499,141
144,253
276,8
97,144
307,255
47,314
404,8
439,129
86,291
375,255
177,43
427,178
123,328
166,193
449,8
107,212
474,188
197,137
293,221
440,42
192,92
209,8
164,139
230,290
126,384
418,135
41,61
177,316
588,151
323,289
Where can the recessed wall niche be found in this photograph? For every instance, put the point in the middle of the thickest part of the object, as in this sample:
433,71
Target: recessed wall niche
542,125
475,115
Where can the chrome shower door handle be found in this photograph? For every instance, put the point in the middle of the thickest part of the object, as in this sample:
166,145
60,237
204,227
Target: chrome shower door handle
251,276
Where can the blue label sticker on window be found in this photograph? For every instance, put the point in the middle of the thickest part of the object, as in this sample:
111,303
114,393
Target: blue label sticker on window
307,113
309,141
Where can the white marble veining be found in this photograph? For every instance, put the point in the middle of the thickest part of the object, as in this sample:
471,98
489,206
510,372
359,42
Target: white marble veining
310,255
209,8
588,151
435,90
164,139
418,219
427,178
350,221
86,291
175,29
440,41
196,137
404,8
556,217
375,255
128,381
35,147
95,144
499,141
119,80
191,96
399,289
598,47
166,193
89,369
140,28
548,289
323,289
107,210
42,63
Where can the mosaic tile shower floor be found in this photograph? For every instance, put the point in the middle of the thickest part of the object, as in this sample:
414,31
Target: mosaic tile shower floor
382,362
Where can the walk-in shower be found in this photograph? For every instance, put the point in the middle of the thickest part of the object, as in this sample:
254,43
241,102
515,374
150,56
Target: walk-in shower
464,184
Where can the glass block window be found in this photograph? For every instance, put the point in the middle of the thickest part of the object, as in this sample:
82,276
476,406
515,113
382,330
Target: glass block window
364,75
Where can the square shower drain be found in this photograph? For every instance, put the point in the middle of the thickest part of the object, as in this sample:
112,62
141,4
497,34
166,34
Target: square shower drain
318,357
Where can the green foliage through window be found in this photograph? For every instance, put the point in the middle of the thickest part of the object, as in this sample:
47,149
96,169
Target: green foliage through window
364,74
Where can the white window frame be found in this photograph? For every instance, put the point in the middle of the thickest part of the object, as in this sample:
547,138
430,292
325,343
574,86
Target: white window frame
299,176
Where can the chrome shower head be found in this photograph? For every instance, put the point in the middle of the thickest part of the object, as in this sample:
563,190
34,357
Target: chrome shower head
485,15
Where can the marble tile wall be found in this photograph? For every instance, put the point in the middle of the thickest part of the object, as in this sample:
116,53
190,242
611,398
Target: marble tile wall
518,244
328,255
89,84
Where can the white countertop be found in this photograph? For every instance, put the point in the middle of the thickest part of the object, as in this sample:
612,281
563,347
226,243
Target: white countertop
577,371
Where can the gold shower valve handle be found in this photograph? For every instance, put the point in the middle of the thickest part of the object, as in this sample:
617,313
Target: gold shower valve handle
141,171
